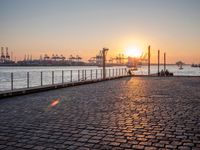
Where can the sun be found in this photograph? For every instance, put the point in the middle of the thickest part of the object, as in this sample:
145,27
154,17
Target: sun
133,52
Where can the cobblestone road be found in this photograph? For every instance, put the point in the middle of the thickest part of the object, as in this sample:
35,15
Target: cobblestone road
129,113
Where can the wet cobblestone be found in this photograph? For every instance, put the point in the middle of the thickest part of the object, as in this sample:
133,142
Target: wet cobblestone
129,113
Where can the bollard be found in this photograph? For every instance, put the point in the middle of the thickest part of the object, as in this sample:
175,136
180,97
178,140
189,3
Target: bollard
52,77
11,81
41,77
27,76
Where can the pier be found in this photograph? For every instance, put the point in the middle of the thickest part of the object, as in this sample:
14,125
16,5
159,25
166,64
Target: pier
49,80
127,113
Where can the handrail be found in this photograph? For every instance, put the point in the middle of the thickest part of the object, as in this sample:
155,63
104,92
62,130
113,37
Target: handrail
42,78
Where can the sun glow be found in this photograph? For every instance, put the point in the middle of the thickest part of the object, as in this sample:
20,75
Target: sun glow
133,52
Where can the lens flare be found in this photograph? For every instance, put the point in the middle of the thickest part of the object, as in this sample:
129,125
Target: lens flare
55,102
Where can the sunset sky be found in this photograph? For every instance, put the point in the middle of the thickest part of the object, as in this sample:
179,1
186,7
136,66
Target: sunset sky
85,26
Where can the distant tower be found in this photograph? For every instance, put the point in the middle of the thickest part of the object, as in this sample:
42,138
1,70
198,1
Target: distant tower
28,57
25,57
2,54
11,55
7,54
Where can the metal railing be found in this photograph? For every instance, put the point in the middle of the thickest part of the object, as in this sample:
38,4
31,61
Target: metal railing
19,80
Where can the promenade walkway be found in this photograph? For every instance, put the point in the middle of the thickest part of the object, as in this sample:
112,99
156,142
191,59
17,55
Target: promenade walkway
128,113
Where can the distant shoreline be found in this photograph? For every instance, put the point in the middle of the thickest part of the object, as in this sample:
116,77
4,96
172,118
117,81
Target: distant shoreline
78,65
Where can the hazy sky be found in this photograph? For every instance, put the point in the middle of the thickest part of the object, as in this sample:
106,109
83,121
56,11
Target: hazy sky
85,26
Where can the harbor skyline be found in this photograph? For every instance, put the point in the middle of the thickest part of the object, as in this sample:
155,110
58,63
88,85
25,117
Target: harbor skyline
76,27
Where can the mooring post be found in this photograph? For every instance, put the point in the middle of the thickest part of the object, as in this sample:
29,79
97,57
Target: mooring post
158,62
164,62
11,80
149,60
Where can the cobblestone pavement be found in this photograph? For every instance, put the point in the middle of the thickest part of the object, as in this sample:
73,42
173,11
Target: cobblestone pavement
129,113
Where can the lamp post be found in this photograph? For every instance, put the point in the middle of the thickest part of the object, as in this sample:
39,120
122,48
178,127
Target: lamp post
104,61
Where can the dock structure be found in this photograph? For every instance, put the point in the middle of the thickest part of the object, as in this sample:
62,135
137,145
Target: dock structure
128,113
149,60
158,62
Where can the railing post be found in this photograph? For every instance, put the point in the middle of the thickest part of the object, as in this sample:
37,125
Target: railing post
11,80
27,79
91,74
122,71
62,76
41,77
78,75
113,72
96,73
70,75
109,72
116,72
101,73
52,77
83,75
